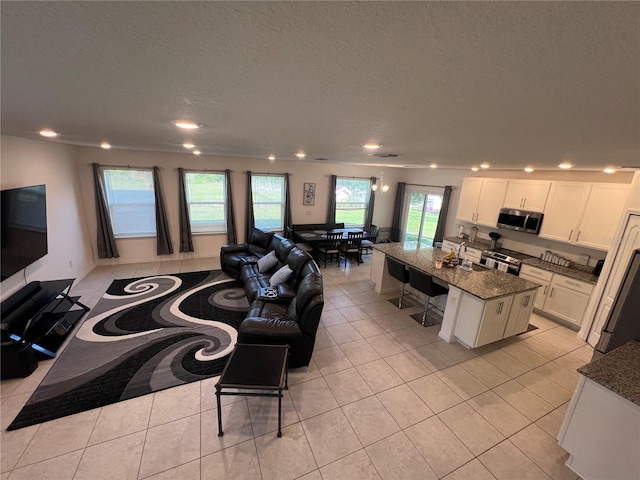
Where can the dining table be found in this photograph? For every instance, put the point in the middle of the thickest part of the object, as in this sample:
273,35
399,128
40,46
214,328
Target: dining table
316,237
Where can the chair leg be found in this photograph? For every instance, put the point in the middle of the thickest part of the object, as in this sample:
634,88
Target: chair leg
401,297
426,311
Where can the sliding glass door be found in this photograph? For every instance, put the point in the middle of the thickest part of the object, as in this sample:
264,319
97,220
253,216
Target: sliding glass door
422,209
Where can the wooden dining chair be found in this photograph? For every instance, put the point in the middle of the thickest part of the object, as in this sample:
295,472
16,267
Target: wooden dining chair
367,245
331,247
352,247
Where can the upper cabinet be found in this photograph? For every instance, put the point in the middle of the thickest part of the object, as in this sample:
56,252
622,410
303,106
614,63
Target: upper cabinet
527,194
481,200
582,213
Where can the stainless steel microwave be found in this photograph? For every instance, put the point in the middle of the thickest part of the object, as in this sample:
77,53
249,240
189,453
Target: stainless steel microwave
520,220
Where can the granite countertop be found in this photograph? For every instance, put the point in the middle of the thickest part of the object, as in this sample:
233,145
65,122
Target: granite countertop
618,370
485,284
582,275
579,273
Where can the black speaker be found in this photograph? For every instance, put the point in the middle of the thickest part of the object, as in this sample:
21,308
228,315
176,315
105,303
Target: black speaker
18,359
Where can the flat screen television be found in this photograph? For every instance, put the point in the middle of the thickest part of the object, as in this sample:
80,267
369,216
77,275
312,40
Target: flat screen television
23,228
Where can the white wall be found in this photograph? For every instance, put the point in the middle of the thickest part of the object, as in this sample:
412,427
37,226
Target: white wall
144,249
31,162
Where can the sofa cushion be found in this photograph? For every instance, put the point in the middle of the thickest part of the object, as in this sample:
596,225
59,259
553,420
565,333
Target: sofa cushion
297,259
280,276
267,262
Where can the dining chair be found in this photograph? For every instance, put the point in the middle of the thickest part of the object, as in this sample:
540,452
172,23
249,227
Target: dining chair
331,247
367,244
398,270
423,282
352,247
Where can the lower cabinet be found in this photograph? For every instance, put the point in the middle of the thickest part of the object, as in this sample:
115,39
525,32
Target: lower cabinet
541,277
481,322
567,299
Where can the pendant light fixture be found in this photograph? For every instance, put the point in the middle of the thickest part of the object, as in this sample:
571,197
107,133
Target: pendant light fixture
384,188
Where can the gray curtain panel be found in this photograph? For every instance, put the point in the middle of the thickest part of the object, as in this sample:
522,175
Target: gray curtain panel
232,236
331,213
372,200
287,205
186,240
396,224
106,242
163,237
442,218
249,221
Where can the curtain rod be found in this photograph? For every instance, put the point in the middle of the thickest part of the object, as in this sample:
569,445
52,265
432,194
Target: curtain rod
266,173
421,185
122,166
359,178
203,170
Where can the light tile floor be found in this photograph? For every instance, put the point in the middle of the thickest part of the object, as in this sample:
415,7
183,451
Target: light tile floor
383,398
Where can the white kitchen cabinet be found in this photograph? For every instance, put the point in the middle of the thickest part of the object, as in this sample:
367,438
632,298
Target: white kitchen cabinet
563,211
567,299
601,215
518,319
448,246
540,276
583,214
601,432
481,200
481,322
527,194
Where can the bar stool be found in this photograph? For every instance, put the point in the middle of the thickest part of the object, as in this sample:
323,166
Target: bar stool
398,271
423,282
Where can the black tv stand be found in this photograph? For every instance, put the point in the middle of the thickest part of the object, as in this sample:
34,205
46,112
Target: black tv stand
42,314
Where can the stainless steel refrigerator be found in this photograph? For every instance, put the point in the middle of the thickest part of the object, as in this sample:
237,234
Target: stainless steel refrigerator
623,323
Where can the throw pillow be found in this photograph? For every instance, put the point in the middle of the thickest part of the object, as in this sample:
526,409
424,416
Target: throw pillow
280,276
267,262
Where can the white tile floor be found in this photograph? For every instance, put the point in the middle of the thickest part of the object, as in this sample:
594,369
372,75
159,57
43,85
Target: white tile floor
382,398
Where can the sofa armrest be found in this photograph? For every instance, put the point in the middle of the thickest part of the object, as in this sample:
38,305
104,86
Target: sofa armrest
269,327
236,247
286,291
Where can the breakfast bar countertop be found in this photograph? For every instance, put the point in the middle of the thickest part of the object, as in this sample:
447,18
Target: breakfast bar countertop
618,370
486,284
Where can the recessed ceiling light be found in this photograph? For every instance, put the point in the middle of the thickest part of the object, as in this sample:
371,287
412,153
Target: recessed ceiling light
188,144
196,151
105,145
474,169
47,132
565,165
301,154
528,169
187,124
434,165
272,157
609,170
372,146
485,165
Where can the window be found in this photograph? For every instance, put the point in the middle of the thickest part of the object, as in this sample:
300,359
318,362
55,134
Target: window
131,199
352,201
206,197
268,201
421,218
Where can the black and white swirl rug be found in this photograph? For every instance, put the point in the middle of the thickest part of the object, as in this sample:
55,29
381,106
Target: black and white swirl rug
144,335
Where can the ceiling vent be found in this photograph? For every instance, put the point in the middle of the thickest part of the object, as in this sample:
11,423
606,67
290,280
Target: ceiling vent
385,155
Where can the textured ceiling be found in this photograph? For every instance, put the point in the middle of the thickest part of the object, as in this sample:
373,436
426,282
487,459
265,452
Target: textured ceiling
457,83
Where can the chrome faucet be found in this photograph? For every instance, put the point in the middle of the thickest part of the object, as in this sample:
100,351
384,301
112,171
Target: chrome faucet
459,249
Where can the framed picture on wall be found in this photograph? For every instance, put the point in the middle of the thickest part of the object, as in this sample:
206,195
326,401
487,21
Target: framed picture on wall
309,194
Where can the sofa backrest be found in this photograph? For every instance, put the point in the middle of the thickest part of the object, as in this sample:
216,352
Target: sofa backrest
259,241
301,263
282,247
306,307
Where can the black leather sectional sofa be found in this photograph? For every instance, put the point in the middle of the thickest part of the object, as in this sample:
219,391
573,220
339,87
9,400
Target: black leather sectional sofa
292,317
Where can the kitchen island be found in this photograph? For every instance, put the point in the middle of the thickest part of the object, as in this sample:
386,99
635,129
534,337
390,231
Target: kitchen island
482,306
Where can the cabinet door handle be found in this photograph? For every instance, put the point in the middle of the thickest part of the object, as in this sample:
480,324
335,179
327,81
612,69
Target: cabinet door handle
525,302
499,309
570,234
578,237
551,292
524,201
545,291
